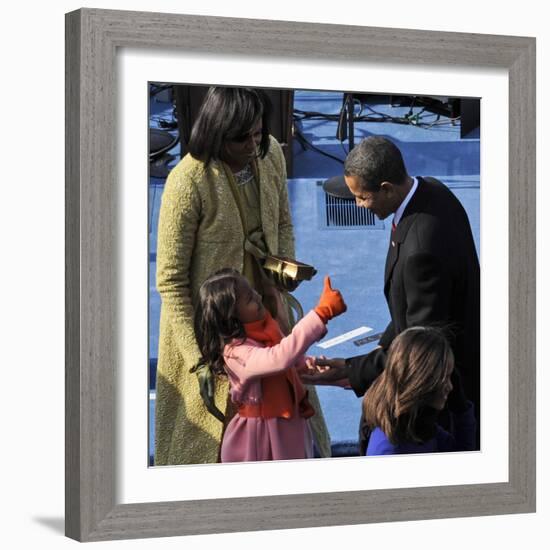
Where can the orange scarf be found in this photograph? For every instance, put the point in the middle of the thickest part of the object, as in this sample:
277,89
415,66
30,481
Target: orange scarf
280,391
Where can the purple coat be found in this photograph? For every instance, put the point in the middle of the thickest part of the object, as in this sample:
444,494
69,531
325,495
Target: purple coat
462,437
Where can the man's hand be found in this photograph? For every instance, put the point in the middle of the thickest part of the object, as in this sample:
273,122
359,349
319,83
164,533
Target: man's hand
328,372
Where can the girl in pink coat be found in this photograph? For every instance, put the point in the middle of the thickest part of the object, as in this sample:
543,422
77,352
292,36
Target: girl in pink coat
238,336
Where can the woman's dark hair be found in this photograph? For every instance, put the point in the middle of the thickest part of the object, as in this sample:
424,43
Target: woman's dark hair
227,114
375,160
216,321
417,366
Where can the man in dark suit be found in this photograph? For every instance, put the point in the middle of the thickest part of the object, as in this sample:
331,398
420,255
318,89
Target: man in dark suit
432,269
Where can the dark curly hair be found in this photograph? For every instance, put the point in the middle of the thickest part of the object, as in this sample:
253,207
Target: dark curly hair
216,321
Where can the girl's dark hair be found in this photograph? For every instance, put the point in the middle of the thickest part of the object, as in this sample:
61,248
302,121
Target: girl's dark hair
227,114
417,366
216,322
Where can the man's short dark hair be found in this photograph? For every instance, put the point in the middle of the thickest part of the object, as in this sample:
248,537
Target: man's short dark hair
226,114
375,160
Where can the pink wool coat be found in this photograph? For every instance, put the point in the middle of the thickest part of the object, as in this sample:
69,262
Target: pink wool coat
253,439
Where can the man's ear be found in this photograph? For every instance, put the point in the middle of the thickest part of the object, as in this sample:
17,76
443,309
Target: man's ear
388,188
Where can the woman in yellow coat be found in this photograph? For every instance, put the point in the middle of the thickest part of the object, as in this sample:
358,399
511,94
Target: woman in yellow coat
228,192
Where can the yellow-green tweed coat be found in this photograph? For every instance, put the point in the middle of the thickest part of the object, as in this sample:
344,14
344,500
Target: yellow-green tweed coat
199,232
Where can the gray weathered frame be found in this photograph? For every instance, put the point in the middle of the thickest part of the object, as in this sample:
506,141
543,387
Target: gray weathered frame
92,39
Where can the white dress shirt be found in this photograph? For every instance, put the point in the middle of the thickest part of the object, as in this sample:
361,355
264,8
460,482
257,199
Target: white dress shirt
403,205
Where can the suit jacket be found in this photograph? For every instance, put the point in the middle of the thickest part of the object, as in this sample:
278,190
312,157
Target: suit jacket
431,279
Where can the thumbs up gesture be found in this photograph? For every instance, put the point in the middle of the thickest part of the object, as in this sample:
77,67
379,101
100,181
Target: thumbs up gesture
330,303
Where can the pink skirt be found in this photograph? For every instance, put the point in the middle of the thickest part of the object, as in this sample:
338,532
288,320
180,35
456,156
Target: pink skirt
254,439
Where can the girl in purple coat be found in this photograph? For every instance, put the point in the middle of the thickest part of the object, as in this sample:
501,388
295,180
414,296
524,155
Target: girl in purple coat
237,336
403,404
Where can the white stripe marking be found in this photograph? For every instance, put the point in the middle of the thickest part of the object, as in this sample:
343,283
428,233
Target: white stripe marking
343,337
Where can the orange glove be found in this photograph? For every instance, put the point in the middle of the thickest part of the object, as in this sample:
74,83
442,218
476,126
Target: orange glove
330,303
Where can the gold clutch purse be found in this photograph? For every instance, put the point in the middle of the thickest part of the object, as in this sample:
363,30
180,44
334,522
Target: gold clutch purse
287,273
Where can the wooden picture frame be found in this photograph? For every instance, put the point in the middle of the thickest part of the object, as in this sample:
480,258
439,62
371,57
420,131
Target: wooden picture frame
92,39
